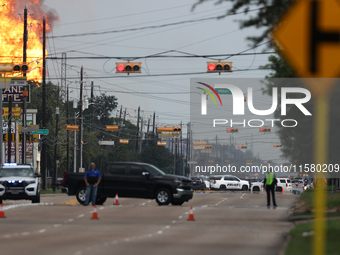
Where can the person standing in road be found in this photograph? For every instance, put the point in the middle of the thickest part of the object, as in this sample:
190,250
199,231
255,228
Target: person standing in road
92,179
270,185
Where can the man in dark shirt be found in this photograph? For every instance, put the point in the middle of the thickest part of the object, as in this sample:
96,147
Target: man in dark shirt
92,179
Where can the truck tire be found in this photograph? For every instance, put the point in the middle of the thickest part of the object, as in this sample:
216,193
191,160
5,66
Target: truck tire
100,200
81,195
163,196
36,200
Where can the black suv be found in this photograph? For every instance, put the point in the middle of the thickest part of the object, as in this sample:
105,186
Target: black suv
133,179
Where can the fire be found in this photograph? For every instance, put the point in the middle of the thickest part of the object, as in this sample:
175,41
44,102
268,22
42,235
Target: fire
12,30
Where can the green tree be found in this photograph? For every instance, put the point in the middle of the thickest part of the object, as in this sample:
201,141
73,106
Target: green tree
298,141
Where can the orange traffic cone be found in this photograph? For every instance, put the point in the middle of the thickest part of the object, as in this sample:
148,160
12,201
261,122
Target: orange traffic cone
191,214
283,190
116,202
94,214
2,213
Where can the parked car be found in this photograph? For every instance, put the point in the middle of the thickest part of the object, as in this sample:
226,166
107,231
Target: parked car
132,179
228,182
284,183
198,183
206,181
255,184
19,182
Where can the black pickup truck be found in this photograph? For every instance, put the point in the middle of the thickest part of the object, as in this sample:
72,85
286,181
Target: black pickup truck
132,179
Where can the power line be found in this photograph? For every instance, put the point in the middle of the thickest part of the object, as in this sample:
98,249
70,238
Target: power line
151,27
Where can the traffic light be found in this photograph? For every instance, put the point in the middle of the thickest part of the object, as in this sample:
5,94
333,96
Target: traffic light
72,127
208,147
128,67
232,130
218,67
20,68
243,146
169,129
265,129
277,145
112,128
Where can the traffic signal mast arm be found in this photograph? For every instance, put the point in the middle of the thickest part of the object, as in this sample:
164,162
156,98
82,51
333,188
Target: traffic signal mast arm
168,129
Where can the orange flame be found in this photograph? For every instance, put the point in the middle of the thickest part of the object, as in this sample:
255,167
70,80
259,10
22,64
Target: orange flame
12,30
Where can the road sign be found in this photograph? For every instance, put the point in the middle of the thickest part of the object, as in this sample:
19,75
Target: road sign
40,132
310,36
106,142
223,91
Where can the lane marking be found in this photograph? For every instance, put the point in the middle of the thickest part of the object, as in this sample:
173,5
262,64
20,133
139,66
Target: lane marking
42,230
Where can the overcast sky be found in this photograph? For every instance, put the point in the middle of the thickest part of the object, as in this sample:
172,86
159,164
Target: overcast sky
167,95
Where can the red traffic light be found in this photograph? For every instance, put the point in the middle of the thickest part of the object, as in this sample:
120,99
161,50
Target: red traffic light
265,129
128,67
218,66
120,68
211,67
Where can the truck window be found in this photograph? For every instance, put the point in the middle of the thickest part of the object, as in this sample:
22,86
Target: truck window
136,170
117,169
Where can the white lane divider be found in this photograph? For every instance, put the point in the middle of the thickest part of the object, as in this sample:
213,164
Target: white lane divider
9,207
128,239
242,195
221,201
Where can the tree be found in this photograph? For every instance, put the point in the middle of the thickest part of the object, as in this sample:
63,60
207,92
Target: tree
298,141
267,15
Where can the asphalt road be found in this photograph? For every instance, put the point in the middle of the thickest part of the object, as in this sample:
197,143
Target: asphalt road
225,223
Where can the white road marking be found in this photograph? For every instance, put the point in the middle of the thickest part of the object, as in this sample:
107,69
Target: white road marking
81,215
70,220
56,225
25,233
42,231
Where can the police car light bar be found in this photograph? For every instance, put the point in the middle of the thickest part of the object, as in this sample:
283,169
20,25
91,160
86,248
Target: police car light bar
10,164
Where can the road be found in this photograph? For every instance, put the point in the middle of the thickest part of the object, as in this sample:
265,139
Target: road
225,222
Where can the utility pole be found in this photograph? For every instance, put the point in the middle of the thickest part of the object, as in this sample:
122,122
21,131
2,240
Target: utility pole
181,137
91,107
153,122
141,135
137,131
75,145
147,133
120,121
67,133
44,145
55,175
101,136
80,145
24,110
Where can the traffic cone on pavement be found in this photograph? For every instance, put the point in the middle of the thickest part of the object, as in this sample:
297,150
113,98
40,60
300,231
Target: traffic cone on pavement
94,214
191,214
283,190
2,213
116,202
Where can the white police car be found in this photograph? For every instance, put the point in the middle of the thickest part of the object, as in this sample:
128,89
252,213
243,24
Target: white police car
19,182
228,182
